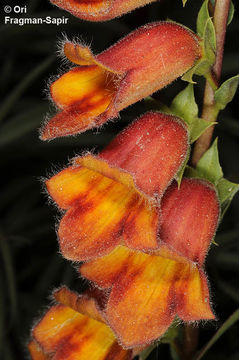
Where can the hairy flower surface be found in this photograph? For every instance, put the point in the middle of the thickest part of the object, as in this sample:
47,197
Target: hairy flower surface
147,291
99,10
75,329
114,197
138,65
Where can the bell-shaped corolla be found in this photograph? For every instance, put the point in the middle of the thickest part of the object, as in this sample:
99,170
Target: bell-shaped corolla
74,328
114,197
100,86
99,10
147,291
189,218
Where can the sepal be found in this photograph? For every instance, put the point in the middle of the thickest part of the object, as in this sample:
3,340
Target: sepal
225,93
208,167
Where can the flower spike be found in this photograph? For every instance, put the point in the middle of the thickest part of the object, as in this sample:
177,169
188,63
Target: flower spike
100,10
114,197
154,288
101,86
73,329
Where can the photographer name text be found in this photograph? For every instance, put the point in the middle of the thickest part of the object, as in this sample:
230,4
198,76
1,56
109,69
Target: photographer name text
13,20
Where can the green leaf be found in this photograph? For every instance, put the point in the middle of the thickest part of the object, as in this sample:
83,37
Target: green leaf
200,68
198,127
202,18
206,31
226,92
184,104
231,13
192,172
226,191
209,41
184,2
209,166
227,324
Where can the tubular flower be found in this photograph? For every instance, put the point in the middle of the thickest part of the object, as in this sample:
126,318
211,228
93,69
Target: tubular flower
141,63
154,288
99,10
73,329
114,197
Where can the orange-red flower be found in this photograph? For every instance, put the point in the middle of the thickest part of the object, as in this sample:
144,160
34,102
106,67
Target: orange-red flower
141,63
149,290
113,198
75,329
99,10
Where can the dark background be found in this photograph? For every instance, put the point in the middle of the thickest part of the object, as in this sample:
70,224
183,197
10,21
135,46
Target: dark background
31,265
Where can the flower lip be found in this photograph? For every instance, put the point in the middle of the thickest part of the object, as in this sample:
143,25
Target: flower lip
148,288
138,65
104,212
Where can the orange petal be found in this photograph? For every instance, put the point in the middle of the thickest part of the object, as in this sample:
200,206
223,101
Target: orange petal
79,54
99,10
104,212
36,352
142,226
189,218
87,171
66,334
84,304
82,93
193,296
153,290
106,270
82,55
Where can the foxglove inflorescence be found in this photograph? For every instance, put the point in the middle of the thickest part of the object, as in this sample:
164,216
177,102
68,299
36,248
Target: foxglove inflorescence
137,231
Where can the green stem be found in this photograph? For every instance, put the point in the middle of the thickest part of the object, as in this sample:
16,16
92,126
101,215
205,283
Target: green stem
209,113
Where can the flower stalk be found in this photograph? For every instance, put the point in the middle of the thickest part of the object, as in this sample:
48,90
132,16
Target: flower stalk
209,112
